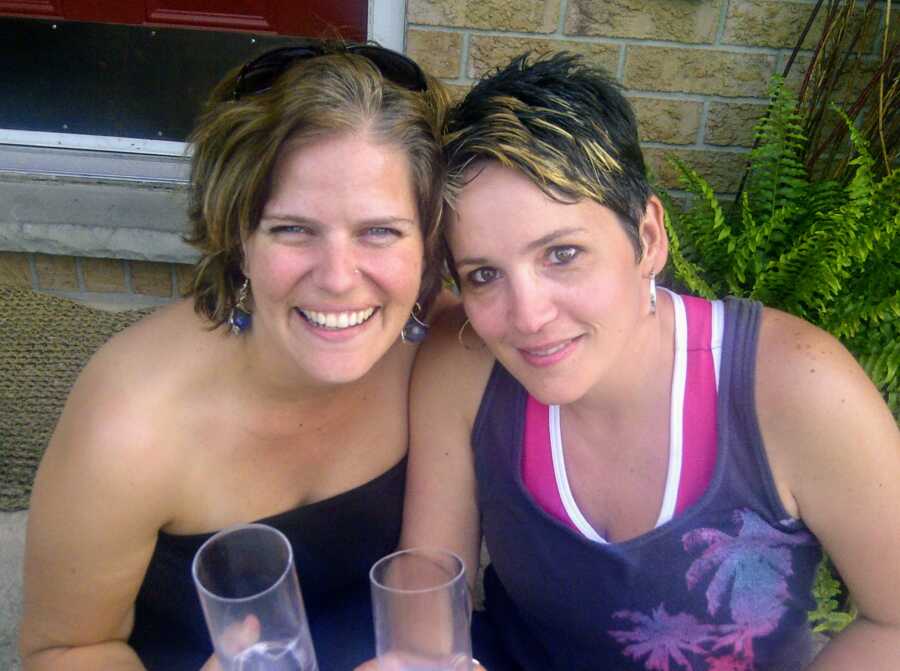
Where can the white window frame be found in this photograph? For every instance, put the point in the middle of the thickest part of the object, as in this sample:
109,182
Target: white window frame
117,197
64,153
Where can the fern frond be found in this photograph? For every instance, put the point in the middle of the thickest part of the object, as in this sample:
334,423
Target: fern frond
746,262
706,236
827,591
777,176
686,271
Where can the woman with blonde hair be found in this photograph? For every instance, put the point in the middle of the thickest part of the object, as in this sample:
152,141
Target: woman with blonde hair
277,392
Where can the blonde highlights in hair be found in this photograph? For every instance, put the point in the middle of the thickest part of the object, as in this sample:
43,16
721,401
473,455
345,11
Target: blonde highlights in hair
563,124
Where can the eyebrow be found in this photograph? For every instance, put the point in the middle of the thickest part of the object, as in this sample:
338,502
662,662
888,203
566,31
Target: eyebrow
374,221
529,247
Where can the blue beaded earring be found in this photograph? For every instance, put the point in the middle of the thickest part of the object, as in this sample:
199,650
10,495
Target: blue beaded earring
415,330
239,319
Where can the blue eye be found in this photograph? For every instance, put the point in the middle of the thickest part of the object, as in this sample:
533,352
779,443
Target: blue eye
562,255
481,276
290,229
382,232
380,236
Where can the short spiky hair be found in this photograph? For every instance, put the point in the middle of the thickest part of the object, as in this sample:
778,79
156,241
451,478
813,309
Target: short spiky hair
562,123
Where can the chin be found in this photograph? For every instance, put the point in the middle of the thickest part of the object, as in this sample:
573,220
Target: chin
558,391
342,373
555,397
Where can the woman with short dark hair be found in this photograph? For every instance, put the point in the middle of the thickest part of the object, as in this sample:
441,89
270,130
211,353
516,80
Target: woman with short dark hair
655,475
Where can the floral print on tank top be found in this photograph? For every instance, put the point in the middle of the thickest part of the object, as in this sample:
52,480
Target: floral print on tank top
744,577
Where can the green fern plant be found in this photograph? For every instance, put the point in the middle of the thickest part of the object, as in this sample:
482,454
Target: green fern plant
832,613
827,252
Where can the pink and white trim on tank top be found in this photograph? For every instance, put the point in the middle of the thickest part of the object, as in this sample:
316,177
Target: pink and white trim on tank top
692,431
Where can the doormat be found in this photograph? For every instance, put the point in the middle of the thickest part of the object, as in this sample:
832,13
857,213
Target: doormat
45,341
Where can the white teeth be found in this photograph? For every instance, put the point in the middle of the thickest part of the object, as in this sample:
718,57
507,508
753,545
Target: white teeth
548,351
338,320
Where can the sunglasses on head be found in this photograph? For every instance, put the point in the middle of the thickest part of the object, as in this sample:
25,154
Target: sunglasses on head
261,73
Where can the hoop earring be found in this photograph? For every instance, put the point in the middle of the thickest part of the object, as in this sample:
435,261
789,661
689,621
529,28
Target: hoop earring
652,293
459,337
239,319
415,330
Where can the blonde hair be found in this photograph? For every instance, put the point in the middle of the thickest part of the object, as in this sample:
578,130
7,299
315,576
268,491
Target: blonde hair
237,143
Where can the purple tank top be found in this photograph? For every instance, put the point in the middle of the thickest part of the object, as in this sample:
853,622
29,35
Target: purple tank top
724,586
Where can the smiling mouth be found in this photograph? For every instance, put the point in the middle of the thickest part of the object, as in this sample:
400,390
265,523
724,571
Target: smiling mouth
336,321
548,351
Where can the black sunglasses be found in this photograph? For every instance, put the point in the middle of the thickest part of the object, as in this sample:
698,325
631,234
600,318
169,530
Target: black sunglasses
260,74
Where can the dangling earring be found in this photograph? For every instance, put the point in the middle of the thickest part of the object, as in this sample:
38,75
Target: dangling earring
459,337
239,318
652,293
415,329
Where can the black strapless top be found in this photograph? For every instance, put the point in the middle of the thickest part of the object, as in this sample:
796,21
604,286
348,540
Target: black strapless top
335,543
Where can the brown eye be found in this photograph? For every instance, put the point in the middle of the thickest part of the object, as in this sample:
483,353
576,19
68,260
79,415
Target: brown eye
562,255
481,276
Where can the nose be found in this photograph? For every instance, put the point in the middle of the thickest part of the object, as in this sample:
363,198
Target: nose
531,305
336,270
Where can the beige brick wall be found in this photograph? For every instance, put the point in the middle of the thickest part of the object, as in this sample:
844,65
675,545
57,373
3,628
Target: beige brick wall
15,269
114,282
696,71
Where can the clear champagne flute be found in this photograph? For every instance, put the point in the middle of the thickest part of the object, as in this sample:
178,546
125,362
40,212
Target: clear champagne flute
251,599
422,611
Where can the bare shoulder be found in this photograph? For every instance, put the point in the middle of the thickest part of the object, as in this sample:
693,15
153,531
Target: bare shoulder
814,402
802,367
118,411
453,365
108,482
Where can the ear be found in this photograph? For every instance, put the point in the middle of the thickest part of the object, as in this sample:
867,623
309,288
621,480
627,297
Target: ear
653,237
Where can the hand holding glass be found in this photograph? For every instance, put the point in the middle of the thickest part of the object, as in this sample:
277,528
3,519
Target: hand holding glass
422,612
248,588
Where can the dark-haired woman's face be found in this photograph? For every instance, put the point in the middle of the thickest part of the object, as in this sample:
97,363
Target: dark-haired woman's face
552,288
336,261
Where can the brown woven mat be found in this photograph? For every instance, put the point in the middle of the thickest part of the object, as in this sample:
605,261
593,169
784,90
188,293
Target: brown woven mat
44,343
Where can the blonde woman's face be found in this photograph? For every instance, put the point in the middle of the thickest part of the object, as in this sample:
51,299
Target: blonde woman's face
336,262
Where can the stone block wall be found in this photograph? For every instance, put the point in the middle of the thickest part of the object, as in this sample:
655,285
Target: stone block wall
111,283
696,71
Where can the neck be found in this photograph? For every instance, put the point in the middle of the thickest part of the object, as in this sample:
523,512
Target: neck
264,377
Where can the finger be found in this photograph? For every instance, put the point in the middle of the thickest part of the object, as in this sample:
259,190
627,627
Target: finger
251,630
240,635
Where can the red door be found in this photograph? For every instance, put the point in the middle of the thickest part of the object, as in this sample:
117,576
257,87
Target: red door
348,18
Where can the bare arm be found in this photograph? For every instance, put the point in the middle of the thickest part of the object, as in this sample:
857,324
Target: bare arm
448,380
95,512
835,451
